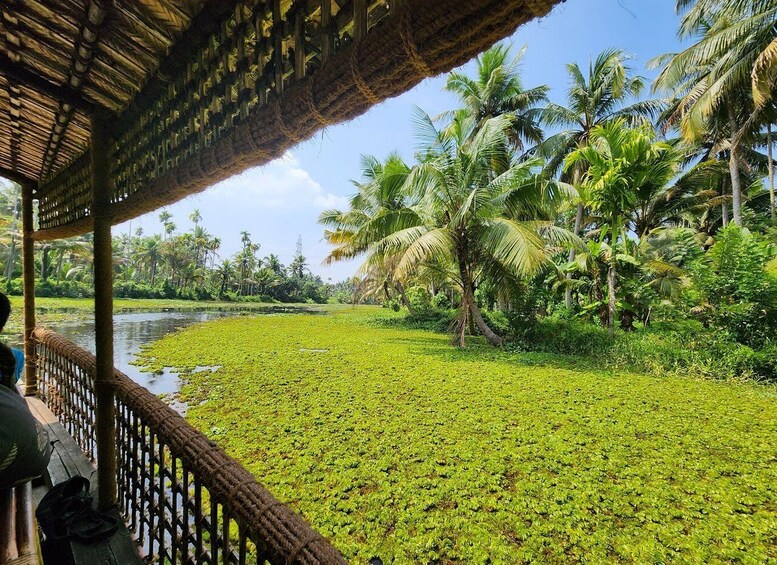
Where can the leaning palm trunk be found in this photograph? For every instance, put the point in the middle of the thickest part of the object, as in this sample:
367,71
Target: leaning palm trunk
469,308
487,332
401,289
733,167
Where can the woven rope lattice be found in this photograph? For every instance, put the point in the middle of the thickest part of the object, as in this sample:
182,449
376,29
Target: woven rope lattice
165,465
244,96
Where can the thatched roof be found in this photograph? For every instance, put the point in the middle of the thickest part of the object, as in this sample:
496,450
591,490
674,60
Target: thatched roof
194,91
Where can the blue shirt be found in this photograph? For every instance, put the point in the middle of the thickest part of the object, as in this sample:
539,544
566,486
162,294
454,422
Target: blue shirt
19,356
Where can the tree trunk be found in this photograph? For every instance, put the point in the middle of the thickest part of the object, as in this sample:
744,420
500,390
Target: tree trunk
459,339
44,264
60,261
611,277
576,231
733,166
502,301
489,334
771,171
468,303
401,289
724,206
477,317
611,295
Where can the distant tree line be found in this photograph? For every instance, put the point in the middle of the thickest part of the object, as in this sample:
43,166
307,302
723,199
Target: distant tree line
163,265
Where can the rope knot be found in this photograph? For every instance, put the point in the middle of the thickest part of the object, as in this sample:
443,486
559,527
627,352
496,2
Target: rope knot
410,46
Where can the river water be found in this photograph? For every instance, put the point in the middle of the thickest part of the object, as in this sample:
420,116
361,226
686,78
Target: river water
131,330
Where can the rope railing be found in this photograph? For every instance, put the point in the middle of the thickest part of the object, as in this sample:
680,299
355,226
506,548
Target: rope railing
183,498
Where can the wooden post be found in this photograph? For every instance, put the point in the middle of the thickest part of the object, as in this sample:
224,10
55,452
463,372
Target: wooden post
105,420
395,5
299,44
277,36
359,19
28,273
326,32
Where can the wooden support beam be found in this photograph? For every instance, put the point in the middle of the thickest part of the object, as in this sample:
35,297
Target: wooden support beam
359,19
326,33
28,290
276,31
299,45
15,176
105,420
29,79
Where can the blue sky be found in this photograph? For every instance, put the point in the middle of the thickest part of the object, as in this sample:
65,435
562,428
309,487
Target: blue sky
280,201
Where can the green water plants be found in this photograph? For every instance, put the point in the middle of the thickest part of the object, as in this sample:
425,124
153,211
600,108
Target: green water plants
395,445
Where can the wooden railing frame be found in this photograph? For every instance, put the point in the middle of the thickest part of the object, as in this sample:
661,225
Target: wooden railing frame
183,497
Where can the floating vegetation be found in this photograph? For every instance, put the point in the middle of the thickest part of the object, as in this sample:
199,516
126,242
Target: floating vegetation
397,446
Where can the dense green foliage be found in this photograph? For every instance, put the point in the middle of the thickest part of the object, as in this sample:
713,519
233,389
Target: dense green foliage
169,266
612,209
418,452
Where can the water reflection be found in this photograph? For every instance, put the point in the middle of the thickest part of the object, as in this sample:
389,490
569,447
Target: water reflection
131,330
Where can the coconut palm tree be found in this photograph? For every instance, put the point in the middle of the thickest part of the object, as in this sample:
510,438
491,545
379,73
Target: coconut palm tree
149,253
379,202
753,37
725,73
620,163
225,271
594,97
497,90
473,204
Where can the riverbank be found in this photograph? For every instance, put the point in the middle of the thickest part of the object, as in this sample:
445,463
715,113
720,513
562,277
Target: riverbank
54,311
396,445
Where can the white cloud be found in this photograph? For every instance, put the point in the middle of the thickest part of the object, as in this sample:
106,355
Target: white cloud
282,183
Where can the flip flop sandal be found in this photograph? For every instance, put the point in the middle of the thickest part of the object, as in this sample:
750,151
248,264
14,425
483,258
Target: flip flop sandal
92,527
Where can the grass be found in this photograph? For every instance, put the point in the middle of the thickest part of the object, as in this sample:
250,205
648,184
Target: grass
395,445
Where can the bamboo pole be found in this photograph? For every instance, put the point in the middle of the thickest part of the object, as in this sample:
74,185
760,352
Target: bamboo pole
105,420
359,19
299,45
326,32
28,290
277,37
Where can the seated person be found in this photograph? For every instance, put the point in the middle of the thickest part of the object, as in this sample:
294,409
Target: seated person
24,444
8,375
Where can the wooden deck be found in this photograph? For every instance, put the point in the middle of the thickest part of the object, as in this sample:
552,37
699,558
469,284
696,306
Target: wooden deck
67,460
18,539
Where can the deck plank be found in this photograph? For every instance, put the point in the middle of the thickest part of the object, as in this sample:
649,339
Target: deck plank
67,460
